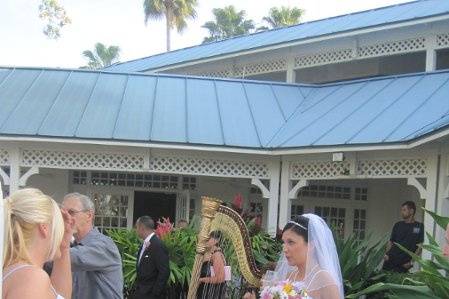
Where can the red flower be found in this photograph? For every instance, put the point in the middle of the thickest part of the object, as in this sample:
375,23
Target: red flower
164,227
238,201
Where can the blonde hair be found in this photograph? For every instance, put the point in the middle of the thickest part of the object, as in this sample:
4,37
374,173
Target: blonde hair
24,211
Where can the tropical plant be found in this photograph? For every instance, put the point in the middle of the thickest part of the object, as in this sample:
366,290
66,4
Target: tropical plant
429,282
282,17
176,13
359,261
228,22
55,16
128,244
101,56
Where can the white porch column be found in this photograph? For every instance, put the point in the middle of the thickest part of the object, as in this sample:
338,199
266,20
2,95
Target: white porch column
443,194
284,206
431,204
431,55
14,171
291,74
273,200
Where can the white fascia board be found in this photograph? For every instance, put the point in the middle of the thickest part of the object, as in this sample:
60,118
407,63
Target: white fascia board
229,149
223,149
303,42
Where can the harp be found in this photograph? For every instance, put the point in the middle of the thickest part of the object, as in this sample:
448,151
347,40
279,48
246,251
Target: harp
214,216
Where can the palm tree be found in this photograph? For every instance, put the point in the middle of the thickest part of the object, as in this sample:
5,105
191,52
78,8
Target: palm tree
56,17
228,22
102,56
176,12
283,16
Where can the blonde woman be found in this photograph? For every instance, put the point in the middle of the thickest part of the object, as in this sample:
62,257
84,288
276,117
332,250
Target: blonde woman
36,231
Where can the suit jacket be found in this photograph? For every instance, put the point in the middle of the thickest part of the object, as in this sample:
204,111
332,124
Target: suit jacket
152,271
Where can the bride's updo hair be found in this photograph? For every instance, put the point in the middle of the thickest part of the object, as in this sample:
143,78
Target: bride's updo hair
299,225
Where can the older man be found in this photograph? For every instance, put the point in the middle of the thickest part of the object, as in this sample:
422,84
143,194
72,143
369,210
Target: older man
96,262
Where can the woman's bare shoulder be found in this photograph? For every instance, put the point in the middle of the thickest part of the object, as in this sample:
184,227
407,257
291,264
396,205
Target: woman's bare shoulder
29,282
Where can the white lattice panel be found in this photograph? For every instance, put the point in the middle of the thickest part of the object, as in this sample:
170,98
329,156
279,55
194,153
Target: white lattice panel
405,167
443,40
221,73
4,157
318,169
213,167
324,58
260,68
82,160
401,46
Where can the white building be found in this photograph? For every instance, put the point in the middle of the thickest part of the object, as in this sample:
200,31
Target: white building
351,120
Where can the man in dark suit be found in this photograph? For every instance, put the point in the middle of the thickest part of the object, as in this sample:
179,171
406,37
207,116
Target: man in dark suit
152,262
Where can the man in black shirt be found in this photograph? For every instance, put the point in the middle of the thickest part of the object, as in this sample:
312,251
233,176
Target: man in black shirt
408,233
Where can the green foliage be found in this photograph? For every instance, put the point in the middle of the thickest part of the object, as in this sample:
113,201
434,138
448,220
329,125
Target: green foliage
429,282
181,244
283,16
359,261
176,13
102,56
55,16
228,22
128,244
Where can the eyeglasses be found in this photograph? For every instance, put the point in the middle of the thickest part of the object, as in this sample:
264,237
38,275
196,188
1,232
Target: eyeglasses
73,212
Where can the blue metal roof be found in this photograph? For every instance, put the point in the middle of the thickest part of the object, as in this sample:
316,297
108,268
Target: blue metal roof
136,107
376,17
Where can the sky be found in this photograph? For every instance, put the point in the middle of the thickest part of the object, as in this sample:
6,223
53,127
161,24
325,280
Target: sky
121,23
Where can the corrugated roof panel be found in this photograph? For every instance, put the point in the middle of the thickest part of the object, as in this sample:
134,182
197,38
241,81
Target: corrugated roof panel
4,73
307,118
238,126
99,118
340,112
431,108
27,116
136,111
389,119
13,89
360,118
289,98
376,17
68,107
265,109
219,112
169,116
203,117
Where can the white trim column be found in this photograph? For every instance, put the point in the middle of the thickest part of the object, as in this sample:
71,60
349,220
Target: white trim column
431,204
431,54
14,169
285,203
273,200
291,74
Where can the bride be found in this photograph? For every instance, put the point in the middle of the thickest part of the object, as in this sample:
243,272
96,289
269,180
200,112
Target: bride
309,259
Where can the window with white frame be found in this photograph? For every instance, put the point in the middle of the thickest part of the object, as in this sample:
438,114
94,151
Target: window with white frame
255,209
359,226
138,180
192,208
334,217
326,191
296,210
361,194
189,183
110,210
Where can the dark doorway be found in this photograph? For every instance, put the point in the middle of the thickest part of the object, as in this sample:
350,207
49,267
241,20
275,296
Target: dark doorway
154,204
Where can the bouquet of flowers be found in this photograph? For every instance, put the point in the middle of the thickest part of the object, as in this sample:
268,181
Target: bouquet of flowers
284,290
